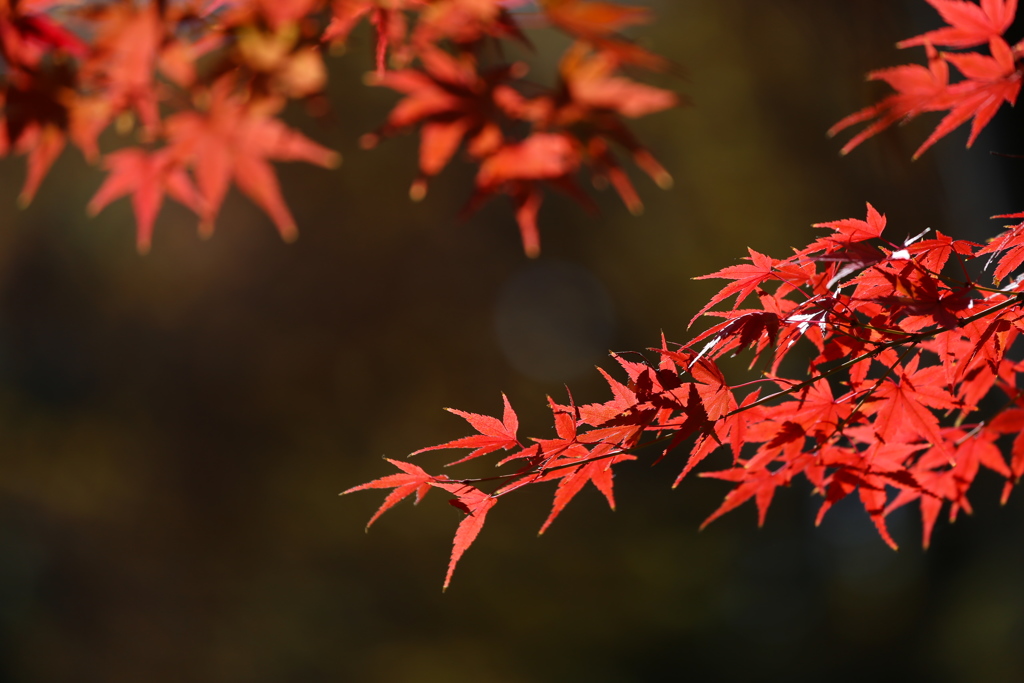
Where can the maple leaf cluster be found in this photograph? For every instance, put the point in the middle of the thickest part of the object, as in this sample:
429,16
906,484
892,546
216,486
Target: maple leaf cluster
522,136
202,83
900,345
903,344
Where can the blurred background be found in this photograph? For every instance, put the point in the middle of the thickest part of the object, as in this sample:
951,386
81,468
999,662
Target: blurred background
175,428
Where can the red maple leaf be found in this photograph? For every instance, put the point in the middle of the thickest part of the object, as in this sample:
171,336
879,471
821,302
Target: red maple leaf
413,479
742,329
909,297
592,86
1011,242
746,279
817,409
41,143
918,89
450,101
712,387
970,24
517,169
35,122
599,23
1012,422
589,106
275,13
567,420
948,479
124,60
476,504
27,34
146,176
904,404
595,468
991,81
933,254
494,434
466,22
593,19
759,484
623,399
852,230
387,18
593,99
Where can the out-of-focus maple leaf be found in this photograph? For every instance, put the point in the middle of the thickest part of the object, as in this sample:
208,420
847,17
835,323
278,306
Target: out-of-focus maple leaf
592,101
450,101
466,22
146,176
274,13
119,75
517,169
386,16
588,106
591,84
124,58
26,34
589,19
294,69
599,24
41,143
233,140
542,156
281,12
34,123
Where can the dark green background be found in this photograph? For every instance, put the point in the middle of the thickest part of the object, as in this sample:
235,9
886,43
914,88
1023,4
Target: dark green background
175,428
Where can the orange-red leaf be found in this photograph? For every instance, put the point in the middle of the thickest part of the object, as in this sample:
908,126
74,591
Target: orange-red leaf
476,504
146,176
412,480
494,434
970,24
746,278
593,19
572,480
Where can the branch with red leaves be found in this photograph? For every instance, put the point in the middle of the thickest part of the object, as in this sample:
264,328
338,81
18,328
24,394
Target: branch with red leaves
899,342
903,347
201,84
